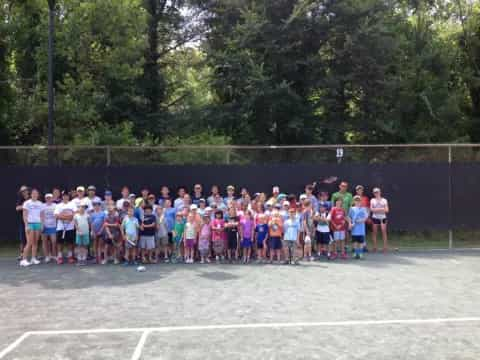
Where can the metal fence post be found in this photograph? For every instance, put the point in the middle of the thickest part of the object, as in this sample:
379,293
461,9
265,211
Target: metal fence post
450,199
109,156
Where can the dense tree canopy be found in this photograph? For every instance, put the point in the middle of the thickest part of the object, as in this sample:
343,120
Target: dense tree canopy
242,71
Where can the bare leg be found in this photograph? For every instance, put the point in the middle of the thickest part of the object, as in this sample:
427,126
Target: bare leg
384,236
374,236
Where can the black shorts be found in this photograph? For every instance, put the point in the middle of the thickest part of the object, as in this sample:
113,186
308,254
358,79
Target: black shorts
232,241
323,238
275,243
170,238
379,221
358,239
67,238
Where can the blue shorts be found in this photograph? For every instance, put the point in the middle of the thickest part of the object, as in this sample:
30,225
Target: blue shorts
34,226
82,240
49,231
339,235
260,243
275,243
246,243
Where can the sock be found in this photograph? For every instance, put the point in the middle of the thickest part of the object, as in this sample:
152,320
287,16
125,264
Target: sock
360,251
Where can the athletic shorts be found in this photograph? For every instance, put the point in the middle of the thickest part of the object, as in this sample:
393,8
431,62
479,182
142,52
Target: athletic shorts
339,235
49,231
288,244
232,242
170,238
260,243
66,238
275,243
34,226
323,238
131,242
162,241
246,243
379,221
358,239
189,243
147,242
82,240
218,246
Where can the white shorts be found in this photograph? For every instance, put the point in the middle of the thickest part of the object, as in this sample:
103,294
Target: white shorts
339,235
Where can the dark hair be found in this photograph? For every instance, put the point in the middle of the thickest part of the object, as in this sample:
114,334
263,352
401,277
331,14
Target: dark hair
309,187
219,212
148,207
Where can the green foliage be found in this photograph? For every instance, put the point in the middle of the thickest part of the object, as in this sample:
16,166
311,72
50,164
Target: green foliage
246,72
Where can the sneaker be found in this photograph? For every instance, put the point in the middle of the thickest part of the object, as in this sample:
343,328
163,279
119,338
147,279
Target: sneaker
357,256
116,262
334,256
365,249
35,261
360,256
286,262
104,262
312,258
71,260
166,260
47,259
209,261
217,258
60,260
25,263
126,263
344,256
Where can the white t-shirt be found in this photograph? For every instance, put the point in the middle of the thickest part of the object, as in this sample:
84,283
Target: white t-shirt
83,227
120,202
86,200
322,227
67,209
379,204
34,209
49,220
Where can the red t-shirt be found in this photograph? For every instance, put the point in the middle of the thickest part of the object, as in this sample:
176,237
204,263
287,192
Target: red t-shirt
337,219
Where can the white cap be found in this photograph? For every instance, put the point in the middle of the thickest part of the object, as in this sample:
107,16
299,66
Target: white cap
287,203
193,207
48,195
303,197
208,208
375,190
80,188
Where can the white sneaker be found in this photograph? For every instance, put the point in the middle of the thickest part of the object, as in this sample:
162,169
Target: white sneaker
35,261
25,263
47,259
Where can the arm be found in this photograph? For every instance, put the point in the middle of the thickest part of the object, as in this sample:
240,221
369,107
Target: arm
25,216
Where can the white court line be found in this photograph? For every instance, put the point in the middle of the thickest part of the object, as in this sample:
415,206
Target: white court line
141,343
13,345
147,331
262,325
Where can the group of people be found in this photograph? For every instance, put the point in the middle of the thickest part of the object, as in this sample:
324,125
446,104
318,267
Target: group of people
79,227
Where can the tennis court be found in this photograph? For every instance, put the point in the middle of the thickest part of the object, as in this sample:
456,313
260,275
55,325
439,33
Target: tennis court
399,306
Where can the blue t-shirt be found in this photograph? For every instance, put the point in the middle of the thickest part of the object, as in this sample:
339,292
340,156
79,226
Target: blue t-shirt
97,219
357,214
291,228
130,225
170,214
138,213
327,204
262,232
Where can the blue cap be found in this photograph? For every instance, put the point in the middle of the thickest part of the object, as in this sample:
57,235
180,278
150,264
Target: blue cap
108,193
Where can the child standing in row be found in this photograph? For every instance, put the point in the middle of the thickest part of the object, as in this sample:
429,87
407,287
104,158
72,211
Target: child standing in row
291,237
82,227
358,216
129,229
275,227
218,240
204,239
177,233
147,234
190,238
322,234
246,234
338,222
112,238
161,235
261,237
97,219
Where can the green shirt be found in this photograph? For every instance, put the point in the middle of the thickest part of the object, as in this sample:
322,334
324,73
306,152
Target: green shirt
347,200
179,228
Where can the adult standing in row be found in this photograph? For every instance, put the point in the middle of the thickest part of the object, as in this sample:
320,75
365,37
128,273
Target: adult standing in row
22,197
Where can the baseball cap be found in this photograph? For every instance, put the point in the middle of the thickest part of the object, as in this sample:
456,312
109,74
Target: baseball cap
202,200
375,190
231,187
193,207
132,196
359,187
96,202
357,198
268,204
108,193
278,206
303,197
286,203
48,195
91,188
23,188
208,208
80,188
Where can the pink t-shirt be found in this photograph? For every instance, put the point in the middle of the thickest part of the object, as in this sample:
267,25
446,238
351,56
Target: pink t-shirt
204,239
218,230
